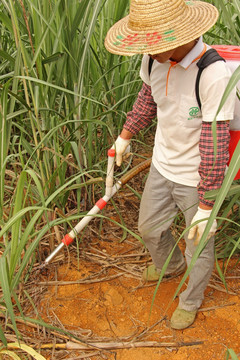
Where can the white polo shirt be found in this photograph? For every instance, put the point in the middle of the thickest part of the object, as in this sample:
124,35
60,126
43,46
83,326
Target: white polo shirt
176,149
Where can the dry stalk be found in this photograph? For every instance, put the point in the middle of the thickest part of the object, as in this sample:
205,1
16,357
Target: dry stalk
120,345
52,332
217,307
221,289
62,283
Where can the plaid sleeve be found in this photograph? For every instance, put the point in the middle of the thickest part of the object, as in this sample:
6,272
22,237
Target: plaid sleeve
212,169
143,112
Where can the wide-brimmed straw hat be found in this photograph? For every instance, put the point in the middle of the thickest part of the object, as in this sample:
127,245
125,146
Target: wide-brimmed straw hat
155,26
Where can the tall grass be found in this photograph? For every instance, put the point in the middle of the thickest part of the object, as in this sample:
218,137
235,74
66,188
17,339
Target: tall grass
227,29
63,101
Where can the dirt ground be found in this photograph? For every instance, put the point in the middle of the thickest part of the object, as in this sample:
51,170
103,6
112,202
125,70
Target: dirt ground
95,291
118,309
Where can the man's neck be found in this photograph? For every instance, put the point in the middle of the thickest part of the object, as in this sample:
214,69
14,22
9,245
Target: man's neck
182,51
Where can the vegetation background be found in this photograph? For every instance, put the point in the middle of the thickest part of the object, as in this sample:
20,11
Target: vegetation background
63,102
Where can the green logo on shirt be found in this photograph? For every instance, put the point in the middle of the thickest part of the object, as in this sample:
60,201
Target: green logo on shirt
193,111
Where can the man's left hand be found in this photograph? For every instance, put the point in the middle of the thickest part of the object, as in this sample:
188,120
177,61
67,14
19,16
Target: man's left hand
198,229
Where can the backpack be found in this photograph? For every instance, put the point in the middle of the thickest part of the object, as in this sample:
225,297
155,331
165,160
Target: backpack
231,55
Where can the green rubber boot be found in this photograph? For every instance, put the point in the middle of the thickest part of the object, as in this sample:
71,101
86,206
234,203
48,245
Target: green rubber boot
181,319
151,273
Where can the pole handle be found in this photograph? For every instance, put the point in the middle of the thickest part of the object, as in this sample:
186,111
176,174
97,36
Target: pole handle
135,170
110,172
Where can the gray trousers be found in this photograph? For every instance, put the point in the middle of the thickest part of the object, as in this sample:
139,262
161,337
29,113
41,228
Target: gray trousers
160,202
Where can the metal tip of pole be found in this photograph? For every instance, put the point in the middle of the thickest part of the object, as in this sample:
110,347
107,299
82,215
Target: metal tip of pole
43,269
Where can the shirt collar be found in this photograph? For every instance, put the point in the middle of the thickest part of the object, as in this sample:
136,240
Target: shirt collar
193,54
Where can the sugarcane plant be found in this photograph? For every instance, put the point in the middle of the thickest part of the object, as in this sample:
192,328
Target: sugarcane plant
58,101
63,101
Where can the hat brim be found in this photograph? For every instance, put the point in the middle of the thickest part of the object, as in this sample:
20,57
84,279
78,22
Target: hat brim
197,18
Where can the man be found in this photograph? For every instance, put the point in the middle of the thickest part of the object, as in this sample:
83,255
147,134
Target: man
183,165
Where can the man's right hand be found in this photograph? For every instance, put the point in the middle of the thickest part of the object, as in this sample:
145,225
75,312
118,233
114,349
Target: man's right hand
121,146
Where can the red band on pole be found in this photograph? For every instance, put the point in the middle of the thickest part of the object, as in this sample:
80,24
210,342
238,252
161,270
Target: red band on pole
111,152
101,203
67,240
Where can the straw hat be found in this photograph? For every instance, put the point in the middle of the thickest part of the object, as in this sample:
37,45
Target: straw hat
155,26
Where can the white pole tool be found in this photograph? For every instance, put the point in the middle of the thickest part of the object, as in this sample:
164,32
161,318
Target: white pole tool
101,203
